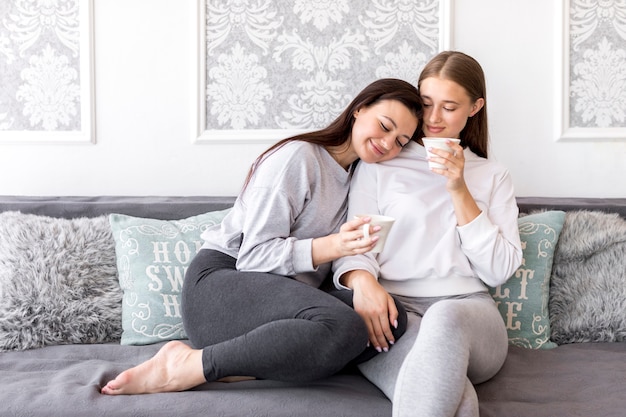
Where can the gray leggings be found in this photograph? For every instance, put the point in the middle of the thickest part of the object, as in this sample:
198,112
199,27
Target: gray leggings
450,344
265,325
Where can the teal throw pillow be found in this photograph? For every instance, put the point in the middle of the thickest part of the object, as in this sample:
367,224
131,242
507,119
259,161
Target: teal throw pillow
523,299
152,258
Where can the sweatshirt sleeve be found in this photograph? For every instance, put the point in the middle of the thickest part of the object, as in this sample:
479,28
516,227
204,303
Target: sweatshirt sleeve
273,200
363,199
491,242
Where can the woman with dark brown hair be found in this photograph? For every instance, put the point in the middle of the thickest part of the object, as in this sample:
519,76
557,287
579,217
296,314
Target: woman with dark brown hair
251,301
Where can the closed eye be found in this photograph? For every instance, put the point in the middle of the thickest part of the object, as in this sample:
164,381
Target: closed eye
400,144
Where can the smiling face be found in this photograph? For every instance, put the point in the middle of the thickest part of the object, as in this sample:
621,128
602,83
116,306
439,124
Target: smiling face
381,130
447,107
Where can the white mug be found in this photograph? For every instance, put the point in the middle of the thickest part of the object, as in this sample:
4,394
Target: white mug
439,143
385,223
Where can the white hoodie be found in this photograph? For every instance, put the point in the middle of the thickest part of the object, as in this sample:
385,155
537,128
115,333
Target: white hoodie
426,253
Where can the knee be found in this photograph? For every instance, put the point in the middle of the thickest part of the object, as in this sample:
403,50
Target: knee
446,318
353,329
450,311
344,337
348,335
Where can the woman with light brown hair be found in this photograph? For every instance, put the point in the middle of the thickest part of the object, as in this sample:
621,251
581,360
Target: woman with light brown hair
455,234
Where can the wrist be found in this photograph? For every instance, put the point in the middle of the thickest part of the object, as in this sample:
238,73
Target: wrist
325,249
356,279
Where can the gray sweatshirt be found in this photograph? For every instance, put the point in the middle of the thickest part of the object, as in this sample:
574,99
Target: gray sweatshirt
298,193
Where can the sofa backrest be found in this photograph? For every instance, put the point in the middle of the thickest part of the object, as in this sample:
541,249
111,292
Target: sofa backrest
171,208
165,208
608,205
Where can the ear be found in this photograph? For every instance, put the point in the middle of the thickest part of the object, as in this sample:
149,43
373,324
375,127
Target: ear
478,104
356,113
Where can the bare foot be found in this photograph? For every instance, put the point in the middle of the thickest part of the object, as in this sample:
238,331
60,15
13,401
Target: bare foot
176,367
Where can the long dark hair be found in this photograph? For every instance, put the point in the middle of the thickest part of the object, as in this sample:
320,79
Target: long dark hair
466,72
339,131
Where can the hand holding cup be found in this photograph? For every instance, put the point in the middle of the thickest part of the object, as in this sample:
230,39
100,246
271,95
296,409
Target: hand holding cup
438,143
384,222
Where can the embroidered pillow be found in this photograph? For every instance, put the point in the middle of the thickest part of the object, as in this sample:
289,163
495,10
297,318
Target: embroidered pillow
523,300
152,258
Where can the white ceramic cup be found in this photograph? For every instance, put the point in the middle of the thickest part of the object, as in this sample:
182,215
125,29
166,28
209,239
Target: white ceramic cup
385,223
439,143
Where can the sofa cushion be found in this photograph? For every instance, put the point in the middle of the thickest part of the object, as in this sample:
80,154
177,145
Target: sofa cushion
58,281
65,381
523,299
588,294
575,380
152,258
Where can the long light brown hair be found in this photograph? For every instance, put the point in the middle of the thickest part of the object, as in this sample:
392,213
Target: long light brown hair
466,72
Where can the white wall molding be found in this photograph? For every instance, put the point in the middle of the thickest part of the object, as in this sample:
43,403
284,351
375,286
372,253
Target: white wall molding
86,133
565,130
202,135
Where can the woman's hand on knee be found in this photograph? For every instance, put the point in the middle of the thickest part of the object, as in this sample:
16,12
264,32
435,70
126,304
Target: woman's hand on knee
377,308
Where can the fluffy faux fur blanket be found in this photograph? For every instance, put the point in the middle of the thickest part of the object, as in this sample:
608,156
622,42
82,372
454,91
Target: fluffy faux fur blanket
588,283
58,282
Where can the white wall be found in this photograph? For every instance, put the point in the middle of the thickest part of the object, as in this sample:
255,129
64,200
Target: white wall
144,58
516,42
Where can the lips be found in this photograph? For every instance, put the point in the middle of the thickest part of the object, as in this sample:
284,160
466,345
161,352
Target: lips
435,130
376,149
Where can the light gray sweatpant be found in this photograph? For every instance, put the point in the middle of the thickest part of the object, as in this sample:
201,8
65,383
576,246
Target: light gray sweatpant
450,344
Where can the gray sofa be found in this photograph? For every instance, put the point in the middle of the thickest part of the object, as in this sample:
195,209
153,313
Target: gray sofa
584,376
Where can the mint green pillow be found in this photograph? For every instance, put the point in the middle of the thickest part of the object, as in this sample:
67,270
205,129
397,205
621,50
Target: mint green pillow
152,258
523,299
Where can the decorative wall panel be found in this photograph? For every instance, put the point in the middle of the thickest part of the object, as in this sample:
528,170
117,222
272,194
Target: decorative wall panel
594,69
271,68
45,69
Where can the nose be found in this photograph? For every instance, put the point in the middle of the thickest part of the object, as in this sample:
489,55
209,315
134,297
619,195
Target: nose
387,142
434,115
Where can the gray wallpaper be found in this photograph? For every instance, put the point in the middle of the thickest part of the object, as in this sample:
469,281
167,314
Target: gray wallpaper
597,63
40,84
275,64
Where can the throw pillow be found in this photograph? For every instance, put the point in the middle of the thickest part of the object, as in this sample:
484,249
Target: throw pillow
523,299
58,282
152,258
588,292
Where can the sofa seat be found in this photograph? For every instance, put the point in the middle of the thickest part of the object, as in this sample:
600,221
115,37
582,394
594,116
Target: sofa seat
573,379
578,379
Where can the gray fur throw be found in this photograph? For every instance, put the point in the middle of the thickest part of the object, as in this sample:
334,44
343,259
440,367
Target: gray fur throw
58,282
588,283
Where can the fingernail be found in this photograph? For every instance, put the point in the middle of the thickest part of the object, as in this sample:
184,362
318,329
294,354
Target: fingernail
395,324
391,342
386,350
378,349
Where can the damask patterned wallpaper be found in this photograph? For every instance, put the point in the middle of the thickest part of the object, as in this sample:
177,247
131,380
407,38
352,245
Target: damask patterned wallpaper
40,65
597,63
274,64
